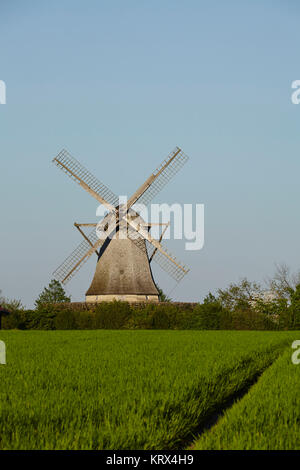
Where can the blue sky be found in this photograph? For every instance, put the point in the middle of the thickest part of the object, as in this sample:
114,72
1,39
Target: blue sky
120,84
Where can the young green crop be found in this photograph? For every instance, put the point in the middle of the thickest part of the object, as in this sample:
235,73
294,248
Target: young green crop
267,418
122,389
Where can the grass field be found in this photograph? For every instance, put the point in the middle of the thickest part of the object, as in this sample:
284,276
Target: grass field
267,418
134,389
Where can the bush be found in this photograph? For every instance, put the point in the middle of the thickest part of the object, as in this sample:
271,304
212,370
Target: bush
210,315
111,315
139,319
84,320
43,318
207,316
160,319
251,320
65,320
14,320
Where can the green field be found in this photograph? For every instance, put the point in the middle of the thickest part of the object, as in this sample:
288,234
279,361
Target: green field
267,418
115,389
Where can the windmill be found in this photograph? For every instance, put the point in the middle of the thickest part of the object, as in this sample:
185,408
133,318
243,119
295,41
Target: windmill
121,241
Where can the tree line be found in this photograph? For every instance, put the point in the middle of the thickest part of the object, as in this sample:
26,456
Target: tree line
242,305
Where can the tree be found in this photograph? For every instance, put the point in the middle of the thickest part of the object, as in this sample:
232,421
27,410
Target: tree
11,304
240,296
210,299
283,283
3,312
208,314
294,308
52,294
162,296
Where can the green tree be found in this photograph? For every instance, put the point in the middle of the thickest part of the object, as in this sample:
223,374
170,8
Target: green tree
162,296
294,308
11,304
52,294
210,299
208,315
240,296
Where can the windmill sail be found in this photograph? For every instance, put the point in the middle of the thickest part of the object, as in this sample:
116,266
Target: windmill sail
77,258
172,267
84,178
161,176
156,250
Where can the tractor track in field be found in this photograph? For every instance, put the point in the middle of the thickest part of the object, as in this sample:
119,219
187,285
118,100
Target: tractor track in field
213,418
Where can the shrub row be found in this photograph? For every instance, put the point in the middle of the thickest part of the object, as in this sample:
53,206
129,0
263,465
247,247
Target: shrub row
122,315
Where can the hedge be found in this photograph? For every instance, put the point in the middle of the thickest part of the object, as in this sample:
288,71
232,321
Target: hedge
122,315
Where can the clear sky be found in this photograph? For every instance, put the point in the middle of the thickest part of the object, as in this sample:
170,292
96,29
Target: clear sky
120,84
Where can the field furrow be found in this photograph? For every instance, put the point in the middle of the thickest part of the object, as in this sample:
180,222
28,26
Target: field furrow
267,418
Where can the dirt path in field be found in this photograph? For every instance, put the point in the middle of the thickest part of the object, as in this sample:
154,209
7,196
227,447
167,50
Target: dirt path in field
214,418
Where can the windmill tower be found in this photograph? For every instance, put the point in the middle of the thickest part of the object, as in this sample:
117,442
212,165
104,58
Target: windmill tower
122,241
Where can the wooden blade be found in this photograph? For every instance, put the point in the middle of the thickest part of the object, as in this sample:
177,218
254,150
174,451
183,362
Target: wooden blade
165,260
159,241
86,180
86,248
84,235
162,175
77,258
169,264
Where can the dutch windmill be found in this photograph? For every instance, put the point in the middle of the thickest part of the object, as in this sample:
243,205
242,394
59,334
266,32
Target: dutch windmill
121,241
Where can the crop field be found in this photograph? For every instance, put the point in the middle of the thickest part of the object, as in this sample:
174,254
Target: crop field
112,389
271,411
